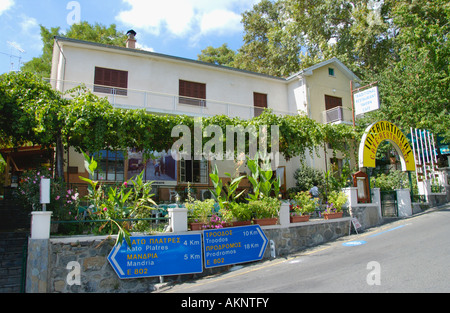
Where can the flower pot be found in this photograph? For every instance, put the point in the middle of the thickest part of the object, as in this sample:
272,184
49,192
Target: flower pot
266,221
226,224
40,224
299,218
197,226
241,223
329,216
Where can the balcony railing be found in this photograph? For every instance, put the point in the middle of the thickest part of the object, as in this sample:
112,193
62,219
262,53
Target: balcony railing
164,103
337,115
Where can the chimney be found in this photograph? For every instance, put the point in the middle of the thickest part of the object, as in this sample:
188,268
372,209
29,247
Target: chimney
131,41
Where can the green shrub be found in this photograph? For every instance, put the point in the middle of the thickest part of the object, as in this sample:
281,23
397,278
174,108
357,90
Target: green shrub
305,178
304,203
266,207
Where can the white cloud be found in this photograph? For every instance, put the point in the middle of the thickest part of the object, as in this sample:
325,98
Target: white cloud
220,21
28,23
5,5
30,32
185,17
144,47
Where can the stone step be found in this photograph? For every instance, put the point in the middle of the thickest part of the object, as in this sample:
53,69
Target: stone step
11,271
13,217
10,288
11,260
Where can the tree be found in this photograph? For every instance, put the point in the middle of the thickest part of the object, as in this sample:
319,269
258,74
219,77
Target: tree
414,89
285,36
220,56
31,112
82,31
404,45
28,109
266,47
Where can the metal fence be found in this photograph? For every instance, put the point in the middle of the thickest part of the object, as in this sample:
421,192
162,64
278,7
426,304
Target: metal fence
97,227
165,103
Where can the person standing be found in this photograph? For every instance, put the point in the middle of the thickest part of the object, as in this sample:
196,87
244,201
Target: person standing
314,191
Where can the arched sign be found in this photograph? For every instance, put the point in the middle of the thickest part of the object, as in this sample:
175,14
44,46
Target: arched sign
378,132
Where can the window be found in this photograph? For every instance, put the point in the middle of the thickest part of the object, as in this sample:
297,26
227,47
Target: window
111,166
333,108
105,78
331,71
192,93
332,102
194,171
259,102
337,165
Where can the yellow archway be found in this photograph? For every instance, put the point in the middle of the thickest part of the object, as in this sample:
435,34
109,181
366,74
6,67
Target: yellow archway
378,132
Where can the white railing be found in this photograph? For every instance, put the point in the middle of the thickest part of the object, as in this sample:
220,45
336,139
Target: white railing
337,115
158,102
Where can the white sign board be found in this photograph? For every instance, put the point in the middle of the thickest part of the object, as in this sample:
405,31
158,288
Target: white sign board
45,191
366,101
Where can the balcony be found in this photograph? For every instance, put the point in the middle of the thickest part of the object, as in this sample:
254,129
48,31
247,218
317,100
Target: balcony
338,115
163,103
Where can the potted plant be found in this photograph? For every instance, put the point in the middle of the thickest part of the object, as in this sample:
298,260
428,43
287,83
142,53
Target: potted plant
265,210
241,214
334,205
199,212
226,216
303,205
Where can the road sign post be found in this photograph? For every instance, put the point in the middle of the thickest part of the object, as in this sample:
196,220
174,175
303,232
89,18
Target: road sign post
234,245
151,256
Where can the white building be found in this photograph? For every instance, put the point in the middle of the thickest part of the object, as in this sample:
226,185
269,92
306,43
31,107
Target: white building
164,84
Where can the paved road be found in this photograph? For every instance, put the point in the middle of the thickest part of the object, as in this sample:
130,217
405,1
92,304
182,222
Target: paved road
410,255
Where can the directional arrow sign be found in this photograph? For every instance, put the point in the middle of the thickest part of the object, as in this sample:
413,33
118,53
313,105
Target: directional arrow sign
233,245
157,256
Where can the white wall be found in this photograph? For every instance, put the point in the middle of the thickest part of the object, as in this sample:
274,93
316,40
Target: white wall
148,72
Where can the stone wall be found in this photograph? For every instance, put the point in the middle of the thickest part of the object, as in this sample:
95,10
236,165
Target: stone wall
48,260
368,215
96,274
301,236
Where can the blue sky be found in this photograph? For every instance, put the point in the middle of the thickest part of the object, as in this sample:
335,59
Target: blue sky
175,27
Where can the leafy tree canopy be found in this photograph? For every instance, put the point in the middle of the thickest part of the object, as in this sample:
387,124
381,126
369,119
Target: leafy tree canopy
220,56
402,44
82,31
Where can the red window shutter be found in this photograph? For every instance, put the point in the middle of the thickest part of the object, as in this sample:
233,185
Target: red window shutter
332,102
111,78
99,74
192,90
259,102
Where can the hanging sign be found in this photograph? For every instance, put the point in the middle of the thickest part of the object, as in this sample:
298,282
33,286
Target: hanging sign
366,101
378,132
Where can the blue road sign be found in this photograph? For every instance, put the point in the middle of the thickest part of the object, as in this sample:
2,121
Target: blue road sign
151,256
234,245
